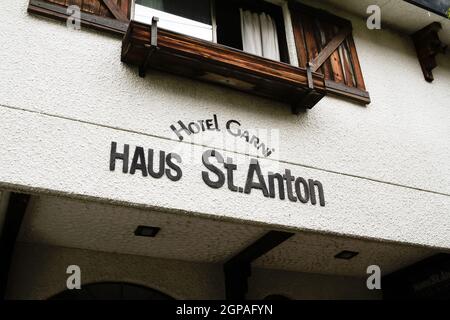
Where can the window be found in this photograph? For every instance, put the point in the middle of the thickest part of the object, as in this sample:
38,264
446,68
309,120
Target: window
326,42
323,41
254,26
188,17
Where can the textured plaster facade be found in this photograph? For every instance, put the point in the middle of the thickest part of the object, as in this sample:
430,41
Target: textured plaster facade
65,95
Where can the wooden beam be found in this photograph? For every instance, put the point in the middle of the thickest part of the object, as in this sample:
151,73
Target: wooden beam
428,45
351,93
326,52
13,220
238,268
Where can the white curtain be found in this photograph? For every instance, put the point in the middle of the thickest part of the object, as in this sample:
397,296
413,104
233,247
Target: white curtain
259,34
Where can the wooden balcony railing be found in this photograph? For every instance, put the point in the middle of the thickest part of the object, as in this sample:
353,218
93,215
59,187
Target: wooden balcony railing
147,46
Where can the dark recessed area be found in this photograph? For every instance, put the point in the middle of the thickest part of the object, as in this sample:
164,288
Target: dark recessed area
146,231
346,255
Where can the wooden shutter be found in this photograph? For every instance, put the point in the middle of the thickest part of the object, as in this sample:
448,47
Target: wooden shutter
325,42
107,15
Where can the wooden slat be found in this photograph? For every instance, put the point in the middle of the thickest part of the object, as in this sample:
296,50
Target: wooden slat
310,40
331,47
334,59
299,36
115,10
338,60
351,93
346,68
78,3
356,66
104,11
60,2
125,6
59,12
321,39
350,79
91,6
318,13
118,9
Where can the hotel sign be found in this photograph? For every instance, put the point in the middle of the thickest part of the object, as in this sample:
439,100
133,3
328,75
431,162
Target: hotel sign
232,127
219,172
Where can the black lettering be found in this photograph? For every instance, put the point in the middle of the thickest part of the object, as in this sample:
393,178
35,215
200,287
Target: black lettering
178,173
289,179
209,124
312,191
138,162
228,124
255,141
279,177
303,198
216,123
246,135
263,147
151,162
194,125
119,156
269,152
178,131
220,175
261,185
230,168
202,124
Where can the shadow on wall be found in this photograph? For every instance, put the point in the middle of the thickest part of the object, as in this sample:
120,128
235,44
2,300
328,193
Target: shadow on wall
111,291
185,89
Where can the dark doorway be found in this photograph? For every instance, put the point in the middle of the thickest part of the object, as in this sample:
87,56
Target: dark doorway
427,279
111,291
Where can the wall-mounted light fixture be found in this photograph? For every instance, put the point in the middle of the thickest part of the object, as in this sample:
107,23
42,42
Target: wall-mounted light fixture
146,231
346,255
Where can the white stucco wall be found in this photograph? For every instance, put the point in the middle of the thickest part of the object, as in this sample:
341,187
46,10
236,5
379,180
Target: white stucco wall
65,95
179,279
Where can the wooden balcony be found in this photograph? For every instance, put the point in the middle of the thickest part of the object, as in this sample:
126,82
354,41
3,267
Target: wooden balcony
147,46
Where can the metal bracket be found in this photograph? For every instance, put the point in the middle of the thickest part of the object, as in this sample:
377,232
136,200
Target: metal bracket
238,269
151,48
299,106
309,76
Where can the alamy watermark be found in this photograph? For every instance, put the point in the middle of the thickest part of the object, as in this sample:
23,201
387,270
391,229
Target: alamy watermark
374,280
74,280
374,19
74,20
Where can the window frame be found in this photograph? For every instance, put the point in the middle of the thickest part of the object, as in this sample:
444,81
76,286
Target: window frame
357,93
176,18
286,21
